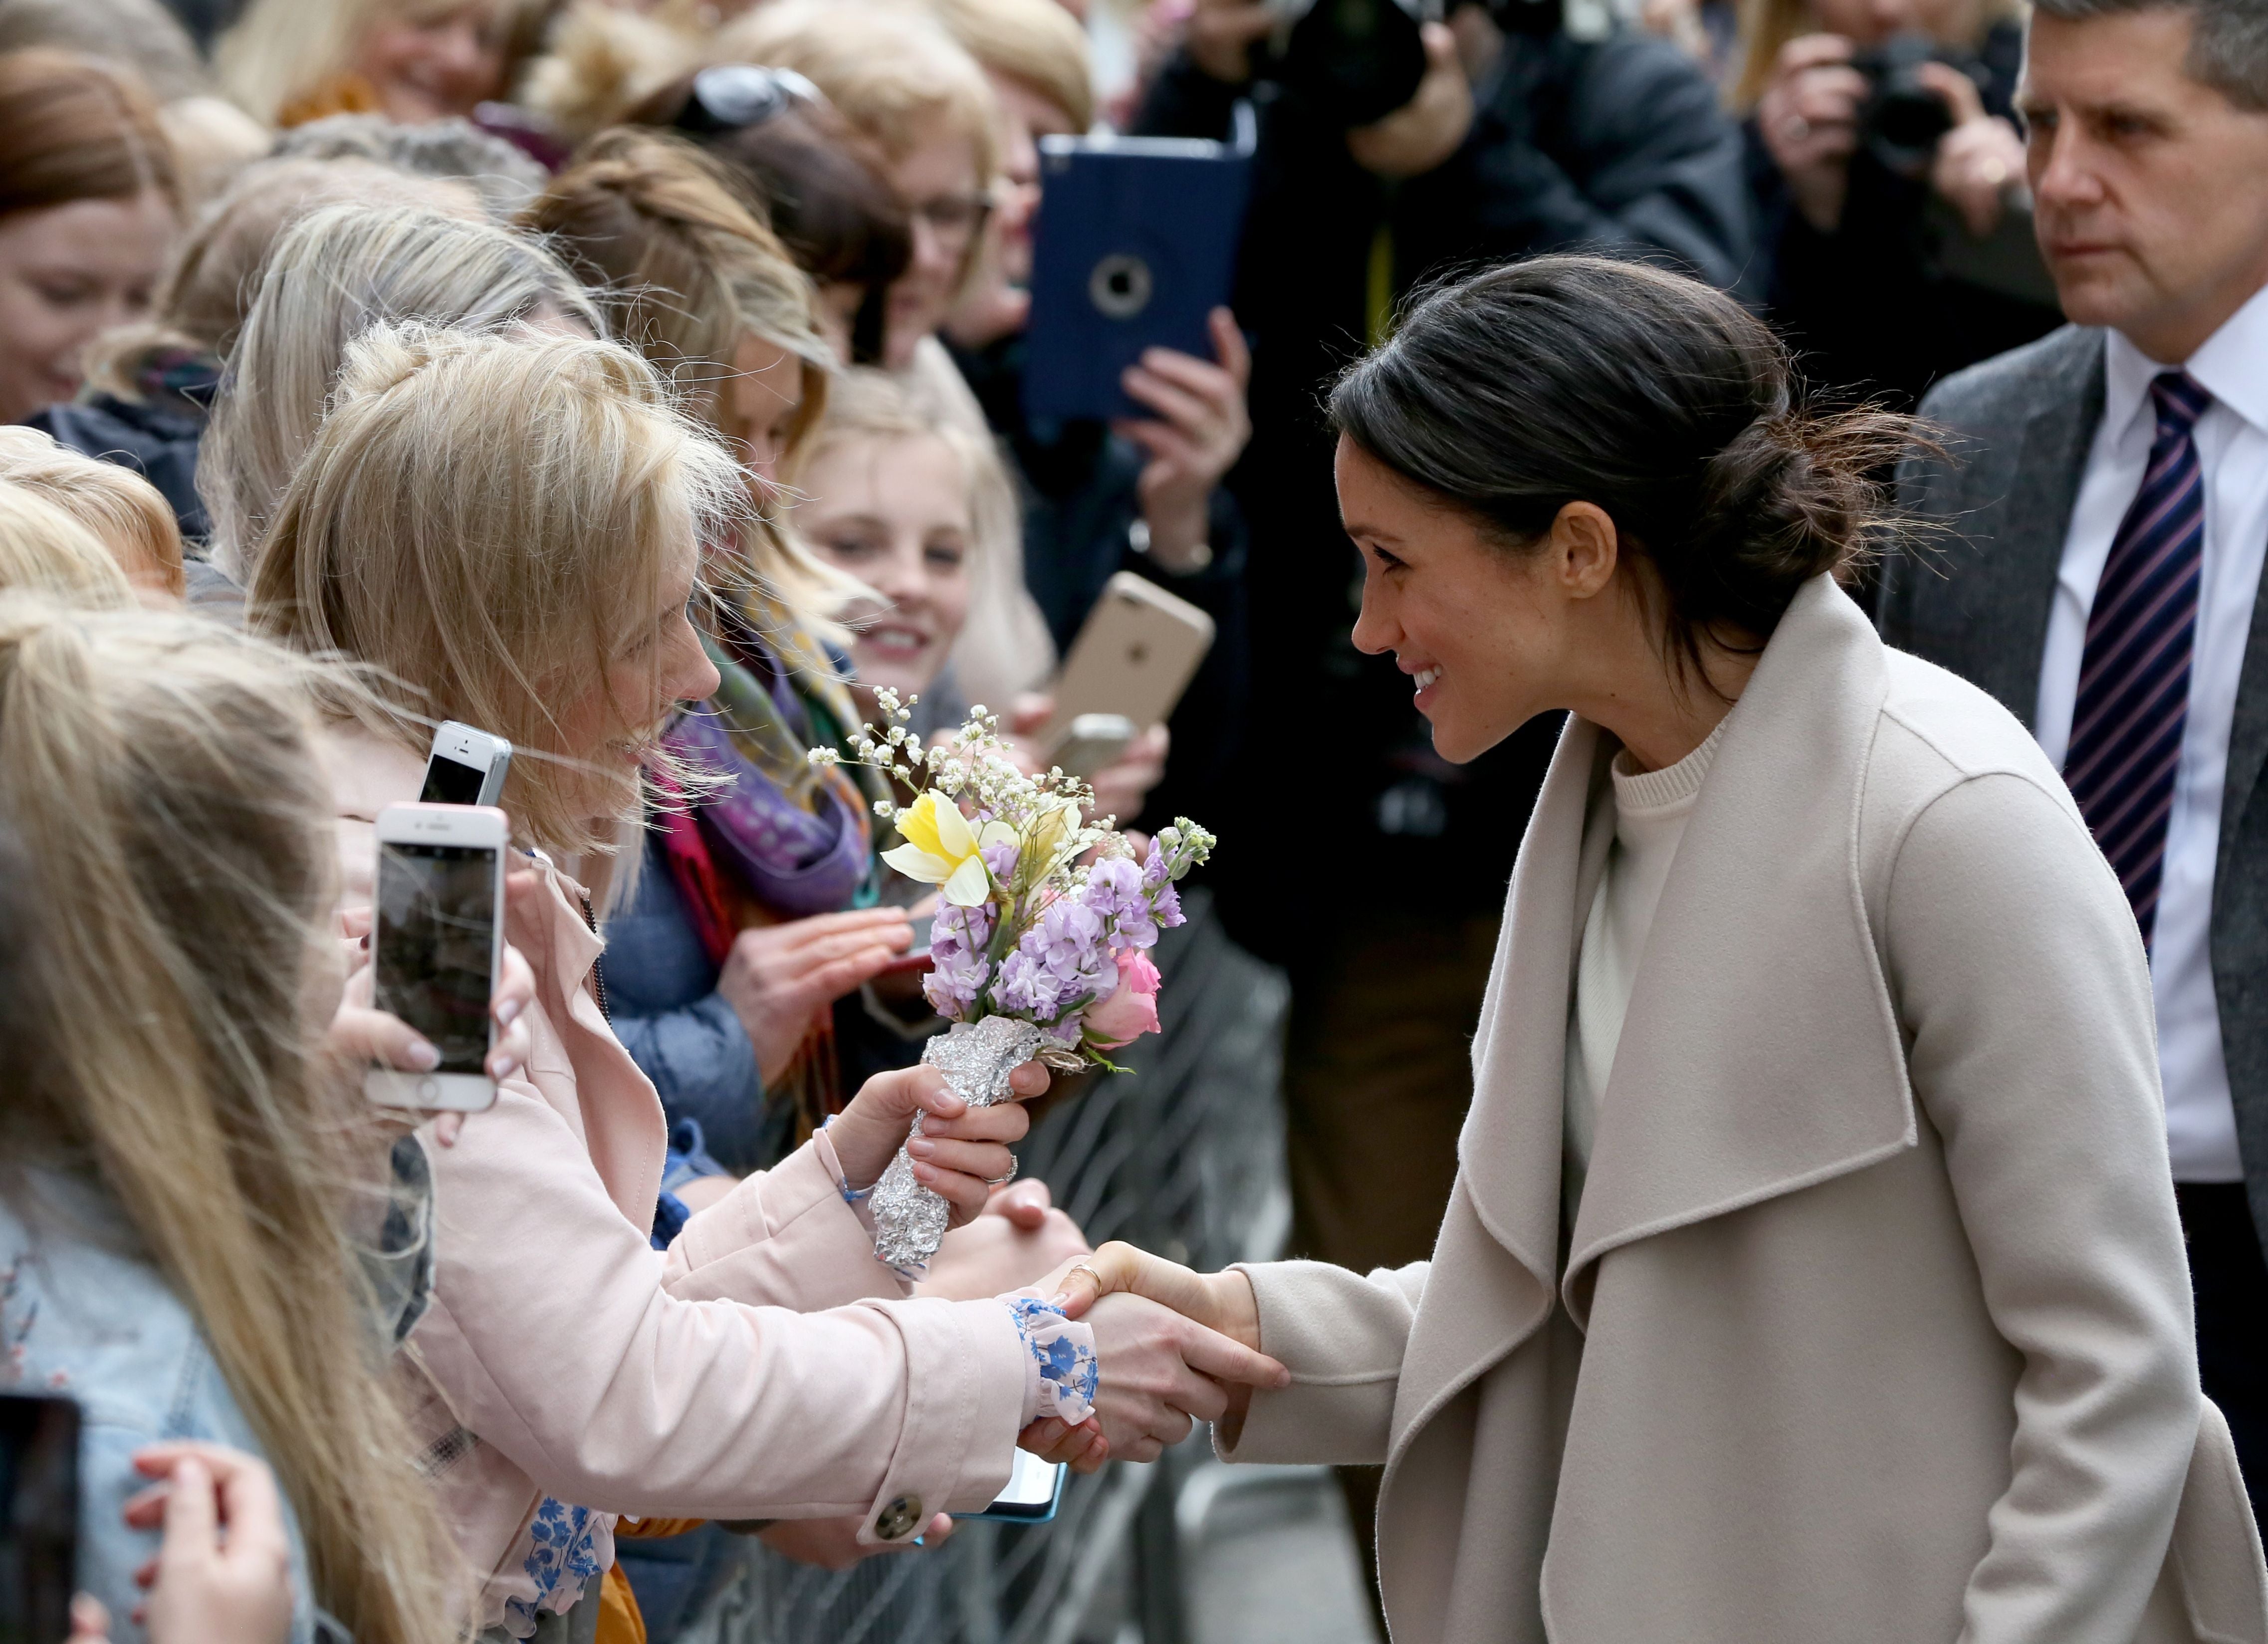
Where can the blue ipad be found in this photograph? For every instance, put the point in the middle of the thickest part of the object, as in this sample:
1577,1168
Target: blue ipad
1135,244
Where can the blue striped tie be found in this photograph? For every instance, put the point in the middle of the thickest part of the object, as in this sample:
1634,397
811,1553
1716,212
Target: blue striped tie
2134,675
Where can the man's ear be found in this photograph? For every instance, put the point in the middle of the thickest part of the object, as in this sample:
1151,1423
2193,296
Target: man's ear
1584,548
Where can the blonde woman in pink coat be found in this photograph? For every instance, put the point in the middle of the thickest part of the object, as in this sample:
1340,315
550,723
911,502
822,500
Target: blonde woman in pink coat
510,527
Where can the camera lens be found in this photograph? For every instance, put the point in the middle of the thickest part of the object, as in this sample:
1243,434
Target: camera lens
1120,286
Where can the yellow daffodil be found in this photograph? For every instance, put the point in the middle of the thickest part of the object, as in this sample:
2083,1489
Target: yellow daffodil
941,849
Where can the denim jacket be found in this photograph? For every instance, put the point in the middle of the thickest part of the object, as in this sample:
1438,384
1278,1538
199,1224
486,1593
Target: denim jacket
85,1315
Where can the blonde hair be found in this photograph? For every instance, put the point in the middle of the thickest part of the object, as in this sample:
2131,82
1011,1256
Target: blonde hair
124,512
213,140
42,548
157,771
890,71
1034,41
215,271
683,271
604,60
476,518
331,274
1767,25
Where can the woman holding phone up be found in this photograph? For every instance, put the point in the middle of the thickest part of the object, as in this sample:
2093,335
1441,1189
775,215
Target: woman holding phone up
511,526
1811,1270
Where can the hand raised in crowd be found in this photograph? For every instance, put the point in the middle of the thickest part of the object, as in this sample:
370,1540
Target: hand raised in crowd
1019,1239
779,977
222,1575
1429,127
961,1151
360,1036
1808,117
1980,159
1220,35
1201,430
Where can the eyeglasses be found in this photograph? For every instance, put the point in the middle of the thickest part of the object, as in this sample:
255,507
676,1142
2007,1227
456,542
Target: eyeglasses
733,96
955,216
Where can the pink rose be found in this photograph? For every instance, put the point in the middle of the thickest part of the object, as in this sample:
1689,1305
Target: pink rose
1132,1010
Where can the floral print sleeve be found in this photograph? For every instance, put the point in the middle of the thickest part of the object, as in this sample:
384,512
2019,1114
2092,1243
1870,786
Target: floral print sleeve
1065,1373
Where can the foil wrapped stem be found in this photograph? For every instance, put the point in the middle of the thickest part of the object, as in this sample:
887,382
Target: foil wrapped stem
976,1058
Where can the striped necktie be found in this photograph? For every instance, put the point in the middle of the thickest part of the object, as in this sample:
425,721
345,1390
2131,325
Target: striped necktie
2134,675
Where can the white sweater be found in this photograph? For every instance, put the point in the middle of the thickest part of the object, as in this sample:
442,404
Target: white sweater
1647,810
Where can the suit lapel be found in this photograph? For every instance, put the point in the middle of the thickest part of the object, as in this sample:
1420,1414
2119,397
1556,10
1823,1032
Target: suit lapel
2019,497
1761,1053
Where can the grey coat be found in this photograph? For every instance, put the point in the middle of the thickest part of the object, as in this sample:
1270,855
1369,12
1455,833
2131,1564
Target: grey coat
1872,1326
1975,599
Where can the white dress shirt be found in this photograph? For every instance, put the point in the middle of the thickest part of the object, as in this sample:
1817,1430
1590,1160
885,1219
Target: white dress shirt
2232,442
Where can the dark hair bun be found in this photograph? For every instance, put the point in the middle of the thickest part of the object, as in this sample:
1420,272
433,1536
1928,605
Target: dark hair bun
1514,392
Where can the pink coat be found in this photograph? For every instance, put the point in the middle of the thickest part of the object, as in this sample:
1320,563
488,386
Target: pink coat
766,1367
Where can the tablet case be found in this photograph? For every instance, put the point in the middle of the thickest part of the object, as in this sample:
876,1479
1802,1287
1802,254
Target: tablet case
1135,244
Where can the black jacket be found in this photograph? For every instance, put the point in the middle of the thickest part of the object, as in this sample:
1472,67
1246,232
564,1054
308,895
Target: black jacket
157,435
1077,482
1615,145
1868,309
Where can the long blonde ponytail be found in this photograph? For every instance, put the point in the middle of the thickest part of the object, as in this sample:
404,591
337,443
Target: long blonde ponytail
159,773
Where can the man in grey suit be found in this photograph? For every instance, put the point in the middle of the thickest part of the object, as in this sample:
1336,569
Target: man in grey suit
2104,499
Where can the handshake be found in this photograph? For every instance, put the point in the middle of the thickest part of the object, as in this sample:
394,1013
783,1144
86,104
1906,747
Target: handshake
1174,1348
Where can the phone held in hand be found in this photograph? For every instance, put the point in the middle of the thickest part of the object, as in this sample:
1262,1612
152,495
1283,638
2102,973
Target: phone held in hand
437,940
1033,1492
39,1516
1134,246
1135,655
1092,741
466,767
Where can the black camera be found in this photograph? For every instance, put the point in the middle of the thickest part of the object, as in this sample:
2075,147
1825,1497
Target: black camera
1902,119
1358,60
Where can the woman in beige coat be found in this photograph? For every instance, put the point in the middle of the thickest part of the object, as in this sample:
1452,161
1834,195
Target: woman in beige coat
1812,1270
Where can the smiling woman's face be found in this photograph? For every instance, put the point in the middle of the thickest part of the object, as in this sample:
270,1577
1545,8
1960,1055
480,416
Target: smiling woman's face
895,514
434,61
69,273
1475,625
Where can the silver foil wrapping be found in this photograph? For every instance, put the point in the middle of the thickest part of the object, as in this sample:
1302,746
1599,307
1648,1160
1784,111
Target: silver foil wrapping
976,1058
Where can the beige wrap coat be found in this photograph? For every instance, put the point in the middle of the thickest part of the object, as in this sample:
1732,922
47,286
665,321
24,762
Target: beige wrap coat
1873,1324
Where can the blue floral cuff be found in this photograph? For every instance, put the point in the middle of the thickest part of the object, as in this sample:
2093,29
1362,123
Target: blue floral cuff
1063,1357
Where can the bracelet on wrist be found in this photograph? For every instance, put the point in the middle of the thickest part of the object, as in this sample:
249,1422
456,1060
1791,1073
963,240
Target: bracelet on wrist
1200,556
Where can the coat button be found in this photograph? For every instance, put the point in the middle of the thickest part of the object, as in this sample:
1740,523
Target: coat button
899,1519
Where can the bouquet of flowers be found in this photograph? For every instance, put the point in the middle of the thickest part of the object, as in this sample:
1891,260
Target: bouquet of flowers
1040,946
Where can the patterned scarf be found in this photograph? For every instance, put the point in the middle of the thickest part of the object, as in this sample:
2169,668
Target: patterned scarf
773,838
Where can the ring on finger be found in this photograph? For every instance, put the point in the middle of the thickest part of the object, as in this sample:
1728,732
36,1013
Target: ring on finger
1090,1272
1002,1181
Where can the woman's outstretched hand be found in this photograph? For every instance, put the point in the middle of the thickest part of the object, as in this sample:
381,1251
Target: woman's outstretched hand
961,1151
1219,1301
1172,1345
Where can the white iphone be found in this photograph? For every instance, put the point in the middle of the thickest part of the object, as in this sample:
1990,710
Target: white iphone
466,767
436,939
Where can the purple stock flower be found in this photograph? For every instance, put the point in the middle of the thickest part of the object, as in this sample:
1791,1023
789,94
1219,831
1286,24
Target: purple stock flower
957,968
1063,960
